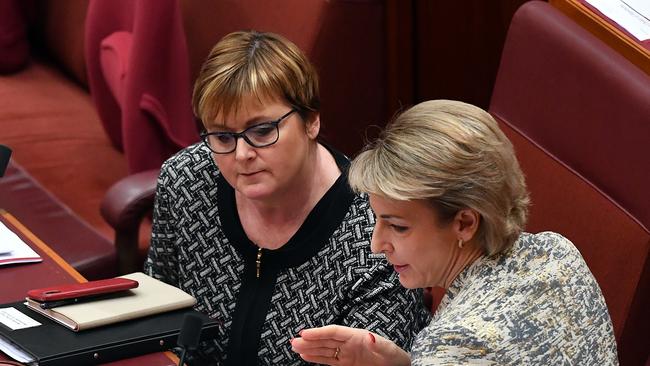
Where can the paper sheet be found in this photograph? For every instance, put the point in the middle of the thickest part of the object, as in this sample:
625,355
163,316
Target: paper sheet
13,249
632,15
15,352
640,6
14,319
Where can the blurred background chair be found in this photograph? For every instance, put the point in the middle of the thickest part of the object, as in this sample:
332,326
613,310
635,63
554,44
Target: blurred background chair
136,58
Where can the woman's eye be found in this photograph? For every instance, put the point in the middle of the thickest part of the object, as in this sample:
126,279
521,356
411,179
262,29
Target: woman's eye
399,228
262,130
224,139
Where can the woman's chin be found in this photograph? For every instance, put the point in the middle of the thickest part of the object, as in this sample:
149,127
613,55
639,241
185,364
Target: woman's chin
404,281
258,192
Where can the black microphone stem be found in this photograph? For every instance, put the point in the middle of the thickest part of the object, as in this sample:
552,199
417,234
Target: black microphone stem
181,362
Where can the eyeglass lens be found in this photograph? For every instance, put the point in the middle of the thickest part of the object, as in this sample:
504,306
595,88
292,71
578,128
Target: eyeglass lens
261,135
258,136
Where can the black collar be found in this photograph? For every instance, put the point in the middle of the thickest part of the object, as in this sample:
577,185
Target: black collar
312,235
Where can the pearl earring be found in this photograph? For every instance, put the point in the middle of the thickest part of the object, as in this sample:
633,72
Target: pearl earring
460,243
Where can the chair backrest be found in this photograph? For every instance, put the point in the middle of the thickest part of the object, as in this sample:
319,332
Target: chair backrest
579,117
580,100
139,78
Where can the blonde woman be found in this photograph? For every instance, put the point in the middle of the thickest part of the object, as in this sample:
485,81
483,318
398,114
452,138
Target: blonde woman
451,203
258,221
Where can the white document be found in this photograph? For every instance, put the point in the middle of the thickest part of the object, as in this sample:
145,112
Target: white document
15,352
640,6
14,319
5,239
13,249
632,15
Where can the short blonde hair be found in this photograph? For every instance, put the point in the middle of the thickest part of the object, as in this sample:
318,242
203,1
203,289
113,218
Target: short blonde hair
264,64
454,155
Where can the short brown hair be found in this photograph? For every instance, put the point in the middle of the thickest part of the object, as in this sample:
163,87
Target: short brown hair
455,156
264,64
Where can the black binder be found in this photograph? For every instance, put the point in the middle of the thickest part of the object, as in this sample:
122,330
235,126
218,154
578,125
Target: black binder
52,344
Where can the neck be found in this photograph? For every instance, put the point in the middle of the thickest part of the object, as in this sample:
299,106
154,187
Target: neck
461,259
296,201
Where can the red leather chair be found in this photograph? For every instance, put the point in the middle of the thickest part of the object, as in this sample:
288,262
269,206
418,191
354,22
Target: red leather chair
139,78
578,114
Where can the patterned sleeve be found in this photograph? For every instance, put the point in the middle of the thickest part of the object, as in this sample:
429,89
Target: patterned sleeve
380,304
453,347
161,261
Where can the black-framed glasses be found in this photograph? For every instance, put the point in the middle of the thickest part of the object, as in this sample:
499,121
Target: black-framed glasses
259,135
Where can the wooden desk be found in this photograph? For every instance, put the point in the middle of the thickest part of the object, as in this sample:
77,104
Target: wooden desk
607,31
18,279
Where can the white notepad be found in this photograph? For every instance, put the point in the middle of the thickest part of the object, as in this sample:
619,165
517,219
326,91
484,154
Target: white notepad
14,250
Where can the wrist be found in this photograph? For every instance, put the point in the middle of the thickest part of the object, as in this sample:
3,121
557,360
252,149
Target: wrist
397,356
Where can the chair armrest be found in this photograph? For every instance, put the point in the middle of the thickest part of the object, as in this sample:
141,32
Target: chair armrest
124,207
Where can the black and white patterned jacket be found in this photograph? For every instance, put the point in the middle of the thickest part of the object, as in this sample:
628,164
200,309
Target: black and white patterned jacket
325,274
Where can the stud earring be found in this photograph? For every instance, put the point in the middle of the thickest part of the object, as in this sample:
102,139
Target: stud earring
460,243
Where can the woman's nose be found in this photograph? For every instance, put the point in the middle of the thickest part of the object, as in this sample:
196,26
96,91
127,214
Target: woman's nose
378,244
243,150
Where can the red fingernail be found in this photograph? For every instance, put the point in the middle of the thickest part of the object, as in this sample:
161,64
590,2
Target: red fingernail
372,337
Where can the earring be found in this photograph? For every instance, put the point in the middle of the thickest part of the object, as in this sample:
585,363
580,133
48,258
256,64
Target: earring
460,243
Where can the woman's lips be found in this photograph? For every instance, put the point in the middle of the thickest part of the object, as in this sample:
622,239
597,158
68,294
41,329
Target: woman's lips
400,269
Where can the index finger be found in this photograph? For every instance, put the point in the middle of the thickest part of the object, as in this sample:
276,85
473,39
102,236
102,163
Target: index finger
335,332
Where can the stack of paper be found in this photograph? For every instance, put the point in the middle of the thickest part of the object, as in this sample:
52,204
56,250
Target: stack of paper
14,250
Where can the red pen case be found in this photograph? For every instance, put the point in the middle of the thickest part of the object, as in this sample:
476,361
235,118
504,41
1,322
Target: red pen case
79,290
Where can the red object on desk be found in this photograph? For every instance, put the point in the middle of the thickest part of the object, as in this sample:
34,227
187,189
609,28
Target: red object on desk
78,290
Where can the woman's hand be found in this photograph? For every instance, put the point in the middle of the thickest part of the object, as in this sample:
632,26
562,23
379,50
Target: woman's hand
339,345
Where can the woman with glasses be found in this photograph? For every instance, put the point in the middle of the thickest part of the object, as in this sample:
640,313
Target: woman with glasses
451,204
258,221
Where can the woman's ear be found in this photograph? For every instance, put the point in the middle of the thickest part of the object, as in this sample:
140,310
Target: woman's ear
312,125
466,223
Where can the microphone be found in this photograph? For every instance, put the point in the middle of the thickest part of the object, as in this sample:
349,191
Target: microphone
5,153
188,338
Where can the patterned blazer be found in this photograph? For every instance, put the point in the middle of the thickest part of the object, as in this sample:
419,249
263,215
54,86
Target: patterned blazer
325,274
535,304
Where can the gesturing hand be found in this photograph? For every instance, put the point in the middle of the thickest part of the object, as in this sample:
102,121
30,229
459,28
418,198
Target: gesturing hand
344,346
